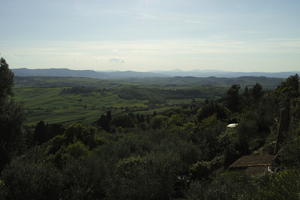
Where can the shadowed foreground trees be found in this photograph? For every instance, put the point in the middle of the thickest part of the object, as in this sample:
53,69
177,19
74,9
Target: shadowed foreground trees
11,117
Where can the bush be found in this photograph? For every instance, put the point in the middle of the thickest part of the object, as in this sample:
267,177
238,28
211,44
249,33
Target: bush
32,180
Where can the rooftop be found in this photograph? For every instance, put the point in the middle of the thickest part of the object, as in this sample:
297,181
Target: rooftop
253,160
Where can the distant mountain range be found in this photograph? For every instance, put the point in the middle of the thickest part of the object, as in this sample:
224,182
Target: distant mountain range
227,74
62,72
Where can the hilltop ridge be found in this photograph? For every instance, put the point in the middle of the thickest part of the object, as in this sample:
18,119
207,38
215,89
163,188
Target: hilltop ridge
64,72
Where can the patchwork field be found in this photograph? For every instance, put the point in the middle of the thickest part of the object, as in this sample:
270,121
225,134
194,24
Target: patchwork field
66,99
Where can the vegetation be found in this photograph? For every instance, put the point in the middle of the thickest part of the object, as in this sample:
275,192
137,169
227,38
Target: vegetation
125,140
67,100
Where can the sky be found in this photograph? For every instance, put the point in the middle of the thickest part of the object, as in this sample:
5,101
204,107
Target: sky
151,35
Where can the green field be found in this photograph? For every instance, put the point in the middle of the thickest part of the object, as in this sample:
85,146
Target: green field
66,99
45,99
51,106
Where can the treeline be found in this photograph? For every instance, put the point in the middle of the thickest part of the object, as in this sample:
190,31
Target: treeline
79,90
175,82
160,95
179,153
153,94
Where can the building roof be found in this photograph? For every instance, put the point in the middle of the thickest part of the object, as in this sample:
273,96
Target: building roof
253,160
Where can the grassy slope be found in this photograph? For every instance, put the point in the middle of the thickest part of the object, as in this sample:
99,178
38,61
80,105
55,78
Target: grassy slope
49,105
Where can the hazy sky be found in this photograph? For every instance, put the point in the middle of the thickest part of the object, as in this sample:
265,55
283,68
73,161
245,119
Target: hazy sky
143,35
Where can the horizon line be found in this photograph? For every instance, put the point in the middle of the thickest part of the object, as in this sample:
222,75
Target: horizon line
158,71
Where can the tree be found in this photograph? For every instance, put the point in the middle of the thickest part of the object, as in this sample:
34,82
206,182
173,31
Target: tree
124,121
11,116
201,170
40,132
246,92
233,98
290,87
212,108
6,81
257,91
281,185
105,121
26,179
158,122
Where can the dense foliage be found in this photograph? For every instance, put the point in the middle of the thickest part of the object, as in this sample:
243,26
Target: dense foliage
182,152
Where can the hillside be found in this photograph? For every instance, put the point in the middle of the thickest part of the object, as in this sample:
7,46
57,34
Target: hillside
155,138
61,72
169,82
